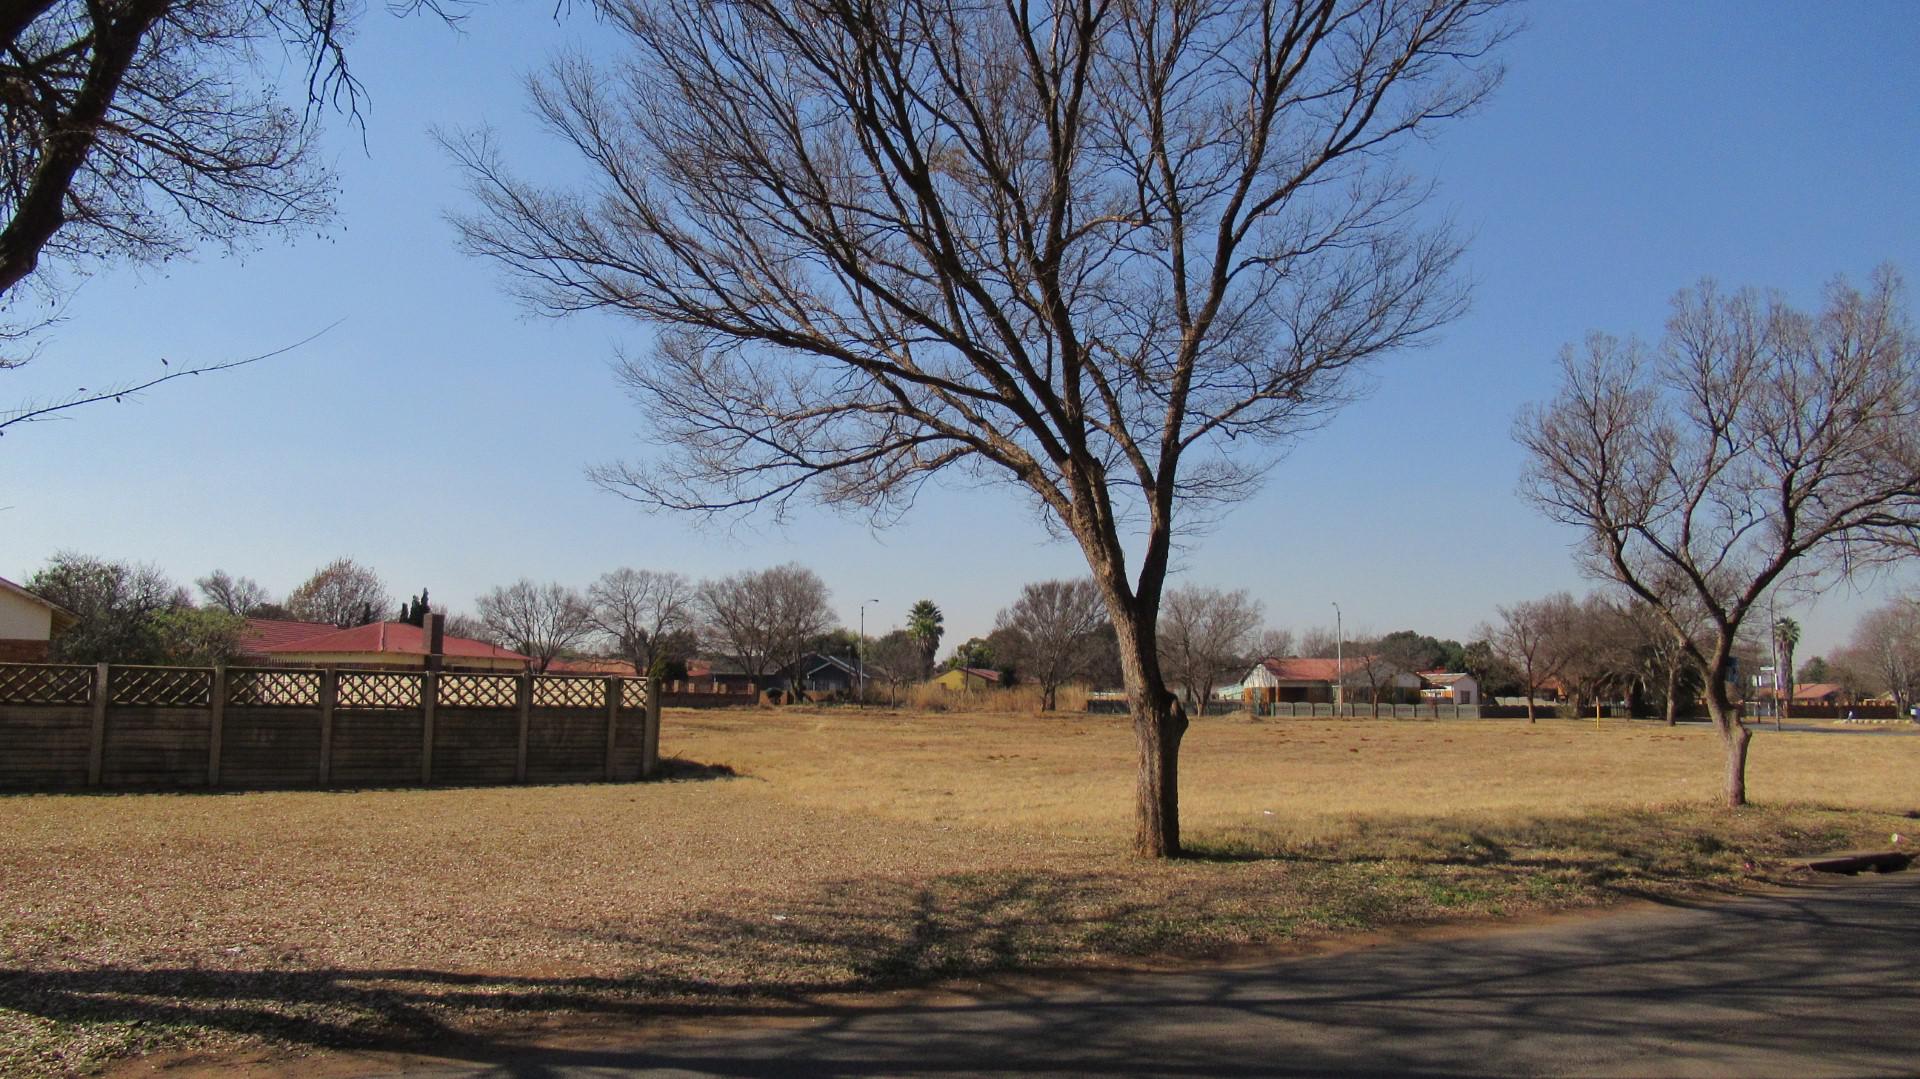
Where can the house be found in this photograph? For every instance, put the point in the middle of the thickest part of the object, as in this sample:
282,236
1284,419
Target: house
1449,687
390,645
262,633
1315,681
720,675
28,623
1821,693
968,679
819,673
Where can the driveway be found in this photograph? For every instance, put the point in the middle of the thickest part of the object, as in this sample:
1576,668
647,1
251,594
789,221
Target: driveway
1815,980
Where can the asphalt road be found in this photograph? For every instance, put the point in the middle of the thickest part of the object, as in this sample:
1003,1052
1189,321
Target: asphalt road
1814,981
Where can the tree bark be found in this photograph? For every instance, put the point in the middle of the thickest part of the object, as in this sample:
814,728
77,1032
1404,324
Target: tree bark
1735,734
1673,691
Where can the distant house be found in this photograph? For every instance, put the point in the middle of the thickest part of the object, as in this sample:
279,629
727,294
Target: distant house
820,673
1449,687
1822,693
720,675
1303,680
968,679
391,645
28,623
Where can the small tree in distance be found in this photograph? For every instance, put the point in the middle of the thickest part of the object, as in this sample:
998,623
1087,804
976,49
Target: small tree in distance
1050,634
1755,447
925,625
1205,633
342,592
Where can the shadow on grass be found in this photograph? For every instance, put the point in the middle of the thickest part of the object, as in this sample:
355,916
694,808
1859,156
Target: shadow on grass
765,956
671,769
1426,1008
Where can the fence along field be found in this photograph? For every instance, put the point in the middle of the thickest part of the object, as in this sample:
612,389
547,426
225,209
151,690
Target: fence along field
68,726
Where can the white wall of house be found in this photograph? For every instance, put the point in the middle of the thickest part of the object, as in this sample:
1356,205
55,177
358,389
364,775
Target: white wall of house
22,619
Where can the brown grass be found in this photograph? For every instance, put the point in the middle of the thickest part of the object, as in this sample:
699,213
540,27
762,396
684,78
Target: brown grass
854,849
1022,700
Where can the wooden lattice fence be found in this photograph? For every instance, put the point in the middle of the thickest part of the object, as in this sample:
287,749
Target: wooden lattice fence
66,726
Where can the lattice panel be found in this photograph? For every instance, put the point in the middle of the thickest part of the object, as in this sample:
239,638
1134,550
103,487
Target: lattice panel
569,693
633,693
369,690
161,687
38,683
273,689
478,691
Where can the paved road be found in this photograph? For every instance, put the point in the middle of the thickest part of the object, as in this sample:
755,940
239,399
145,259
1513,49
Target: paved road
1820,980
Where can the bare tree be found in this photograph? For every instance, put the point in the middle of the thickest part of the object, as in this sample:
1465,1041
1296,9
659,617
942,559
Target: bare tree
342,592
636,610
235,595
1203,634
134,130
764,620
894,659
1885,651
1527,636
1375,668
1274,642
1051,632
1319,642
1112,254
1756,446
540,621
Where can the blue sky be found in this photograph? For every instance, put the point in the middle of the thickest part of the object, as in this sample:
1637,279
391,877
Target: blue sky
439,433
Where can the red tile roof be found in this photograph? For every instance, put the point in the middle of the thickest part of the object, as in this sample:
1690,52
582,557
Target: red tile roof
1818,691
619,668
983,673
265,632
1302,669
402,638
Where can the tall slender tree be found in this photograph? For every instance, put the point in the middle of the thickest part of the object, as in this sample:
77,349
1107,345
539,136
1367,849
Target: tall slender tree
926,624
1755,446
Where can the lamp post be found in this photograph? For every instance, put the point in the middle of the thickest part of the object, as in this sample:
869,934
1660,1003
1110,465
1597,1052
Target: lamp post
860,653
1339,661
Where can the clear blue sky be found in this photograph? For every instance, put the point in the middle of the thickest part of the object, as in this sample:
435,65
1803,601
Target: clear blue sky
439,434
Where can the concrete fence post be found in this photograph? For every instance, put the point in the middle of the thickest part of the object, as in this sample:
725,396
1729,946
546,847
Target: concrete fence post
216,722
97,745
523,702
610,692
429,702
650,734
329,697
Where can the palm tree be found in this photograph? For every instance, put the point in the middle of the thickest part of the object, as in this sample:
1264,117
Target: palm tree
925,624
1786,634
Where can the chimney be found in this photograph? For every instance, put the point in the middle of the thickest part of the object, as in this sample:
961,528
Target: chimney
436,631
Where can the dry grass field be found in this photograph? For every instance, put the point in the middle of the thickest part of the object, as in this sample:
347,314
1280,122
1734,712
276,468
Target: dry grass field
851,850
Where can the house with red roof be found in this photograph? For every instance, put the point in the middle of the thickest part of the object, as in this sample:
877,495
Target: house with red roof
376,645
1309,680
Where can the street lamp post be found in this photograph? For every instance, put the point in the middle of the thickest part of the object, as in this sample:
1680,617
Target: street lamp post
860,653
1339,661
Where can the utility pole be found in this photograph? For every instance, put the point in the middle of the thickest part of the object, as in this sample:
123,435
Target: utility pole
860,653
1339,661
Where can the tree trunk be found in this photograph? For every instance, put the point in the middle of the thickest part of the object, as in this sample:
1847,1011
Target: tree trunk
1673,691
1046,697
1159,721
1732,731
1737,738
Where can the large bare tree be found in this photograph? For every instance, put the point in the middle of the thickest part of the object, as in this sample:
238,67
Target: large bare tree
540,621
1051,633
638,610
1755,447
764,620
1115,253
1204,634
